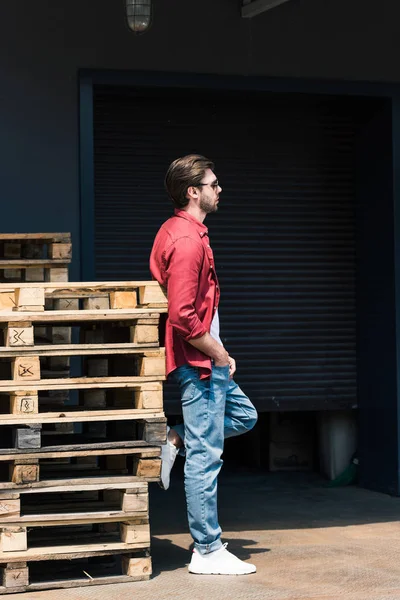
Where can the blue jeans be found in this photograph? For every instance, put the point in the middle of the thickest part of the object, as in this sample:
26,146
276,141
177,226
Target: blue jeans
213,409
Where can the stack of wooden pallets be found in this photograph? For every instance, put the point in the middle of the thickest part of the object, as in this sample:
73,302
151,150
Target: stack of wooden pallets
74,504
34,256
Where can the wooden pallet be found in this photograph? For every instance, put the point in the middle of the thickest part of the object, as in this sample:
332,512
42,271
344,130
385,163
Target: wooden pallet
51,508
76,570
133,364
27,366
149,428
97,464
84,296
34,257
141,399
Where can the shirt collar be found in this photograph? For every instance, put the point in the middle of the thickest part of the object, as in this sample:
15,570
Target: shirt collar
183,214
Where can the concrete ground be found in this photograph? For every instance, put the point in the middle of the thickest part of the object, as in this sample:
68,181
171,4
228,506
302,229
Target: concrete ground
309,542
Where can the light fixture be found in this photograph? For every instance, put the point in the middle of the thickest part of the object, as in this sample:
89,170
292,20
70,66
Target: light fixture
138,15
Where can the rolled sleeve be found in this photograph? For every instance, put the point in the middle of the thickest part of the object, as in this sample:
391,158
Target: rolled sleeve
184,261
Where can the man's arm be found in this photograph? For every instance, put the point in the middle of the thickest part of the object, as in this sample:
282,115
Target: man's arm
184,263
211,348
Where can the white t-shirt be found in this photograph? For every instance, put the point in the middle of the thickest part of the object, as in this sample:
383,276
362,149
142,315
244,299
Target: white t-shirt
214,329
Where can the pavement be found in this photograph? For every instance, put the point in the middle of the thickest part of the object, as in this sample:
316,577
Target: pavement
309,541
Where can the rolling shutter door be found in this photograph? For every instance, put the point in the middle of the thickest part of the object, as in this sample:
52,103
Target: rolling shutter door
283,238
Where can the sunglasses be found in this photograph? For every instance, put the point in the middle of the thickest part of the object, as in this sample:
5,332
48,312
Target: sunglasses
214,184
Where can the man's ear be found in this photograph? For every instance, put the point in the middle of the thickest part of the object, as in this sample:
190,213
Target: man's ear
192,193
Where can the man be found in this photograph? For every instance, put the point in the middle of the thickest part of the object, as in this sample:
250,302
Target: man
213,406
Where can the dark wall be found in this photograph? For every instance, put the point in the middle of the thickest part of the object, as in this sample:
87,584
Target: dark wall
44,44
377,307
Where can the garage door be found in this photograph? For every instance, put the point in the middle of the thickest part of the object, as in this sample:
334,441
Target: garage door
283,238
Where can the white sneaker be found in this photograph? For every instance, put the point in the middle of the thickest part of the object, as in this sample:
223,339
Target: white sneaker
220,562
169,452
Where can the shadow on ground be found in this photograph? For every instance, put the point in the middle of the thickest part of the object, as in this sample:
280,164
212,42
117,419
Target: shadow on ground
253,501
168,556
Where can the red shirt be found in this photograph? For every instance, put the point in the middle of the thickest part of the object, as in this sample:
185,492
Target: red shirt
182,261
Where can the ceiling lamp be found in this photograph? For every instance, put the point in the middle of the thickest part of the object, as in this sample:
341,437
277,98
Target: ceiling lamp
138,15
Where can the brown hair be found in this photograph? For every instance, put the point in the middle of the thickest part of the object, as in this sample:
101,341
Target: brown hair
184,172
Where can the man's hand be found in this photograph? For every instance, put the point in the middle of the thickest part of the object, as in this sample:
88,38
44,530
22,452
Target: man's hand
232,367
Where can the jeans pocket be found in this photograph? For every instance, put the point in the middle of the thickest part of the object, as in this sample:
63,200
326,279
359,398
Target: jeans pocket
187,378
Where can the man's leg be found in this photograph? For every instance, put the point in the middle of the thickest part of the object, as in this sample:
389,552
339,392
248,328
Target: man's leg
203,406
240,414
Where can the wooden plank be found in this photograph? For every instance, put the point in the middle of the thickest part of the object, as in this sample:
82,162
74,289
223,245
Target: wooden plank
81,416
152,294
14,578
144,334
14,539
135,532
30,262
28,437
133,502
123,299
75,518
71,316
29,297
60,250
91,287
24,473
154,431
69,551
7,300
147,467
24,404
9,486
25,369
60,335
18,337
97,303
146,399
151,366
67,349
88,484
10,509
77,383
54,237
101,449
34,274
57,274
71,583
65,304
136,566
